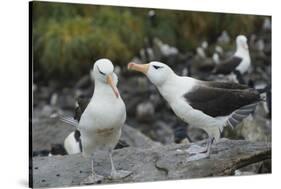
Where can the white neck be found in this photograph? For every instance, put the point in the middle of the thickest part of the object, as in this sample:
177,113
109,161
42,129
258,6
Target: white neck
241,52
176,86
102,90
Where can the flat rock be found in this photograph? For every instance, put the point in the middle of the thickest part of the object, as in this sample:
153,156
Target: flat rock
150,164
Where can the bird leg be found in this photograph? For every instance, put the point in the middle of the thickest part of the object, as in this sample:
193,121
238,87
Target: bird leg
93,177
199,152
117,174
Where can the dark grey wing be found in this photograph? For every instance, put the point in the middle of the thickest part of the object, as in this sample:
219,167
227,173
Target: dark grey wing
224,85
228,66
220,102
82,104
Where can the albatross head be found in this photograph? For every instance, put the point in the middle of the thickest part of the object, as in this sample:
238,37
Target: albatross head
156,72
241,42
103,72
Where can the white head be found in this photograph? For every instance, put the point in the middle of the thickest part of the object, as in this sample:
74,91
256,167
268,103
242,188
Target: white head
241,42
157,72
103,72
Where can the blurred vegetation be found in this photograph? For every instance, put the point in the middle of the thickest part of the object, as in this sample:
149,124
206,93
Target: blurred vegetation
68,38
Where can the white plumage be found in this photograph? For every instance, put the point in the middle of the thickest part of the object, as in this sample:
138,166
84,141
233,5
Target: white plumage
173,91
240,61
101,122
207,105
243,52
71,145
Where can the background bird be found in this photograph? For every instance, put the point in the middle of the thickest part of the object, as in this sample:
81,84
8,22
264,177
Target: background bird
239,63
208,105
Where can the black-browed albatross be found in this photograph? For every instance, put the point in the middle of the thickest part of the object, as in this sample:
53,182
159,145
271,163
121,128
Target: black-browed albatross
207,105
72,143
239,63
102,120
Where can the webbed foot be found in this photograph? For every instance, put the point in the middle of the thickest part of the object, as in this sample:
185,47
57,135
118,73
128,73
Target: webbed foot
119,174
92,179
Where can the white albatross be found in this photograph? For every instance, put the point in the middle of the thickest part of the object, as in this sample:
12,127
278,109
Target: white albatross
207,105
101,122
239,63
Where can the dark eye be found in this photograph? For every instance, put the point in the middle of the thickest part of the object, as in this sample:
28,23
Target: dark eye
100,71
157,67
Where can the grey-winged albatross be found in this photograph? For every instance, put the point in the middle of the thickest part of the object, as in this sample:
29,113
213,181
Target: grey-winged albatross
101,122
207,105
239,63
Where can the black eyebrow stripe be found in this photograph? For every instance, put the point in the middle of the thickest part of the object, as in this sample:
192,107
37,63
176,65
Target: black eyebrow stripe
100,71
157,67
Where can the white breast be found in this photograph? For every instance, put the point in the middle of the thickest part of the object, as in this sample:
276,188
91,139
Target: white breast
101,124
246,62
244,65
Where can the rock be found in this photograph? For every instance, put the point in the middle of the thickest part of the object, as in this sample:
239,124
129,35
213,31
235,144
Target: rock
180,133
149,164
54,99
44,93
252,129
84,82
255,129
67,99
142,83
155,99
46,111
145,111
135,138
255,168
49,131
240,173
163,133
196,134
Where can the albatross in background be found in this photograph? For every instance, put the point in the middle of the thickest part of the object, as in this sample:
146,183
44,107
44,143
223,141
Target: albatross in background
101,120
207,105
239,63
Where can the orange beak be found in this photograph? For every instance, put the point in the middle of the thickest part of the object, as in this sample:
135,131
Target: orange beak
143,68
110,82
